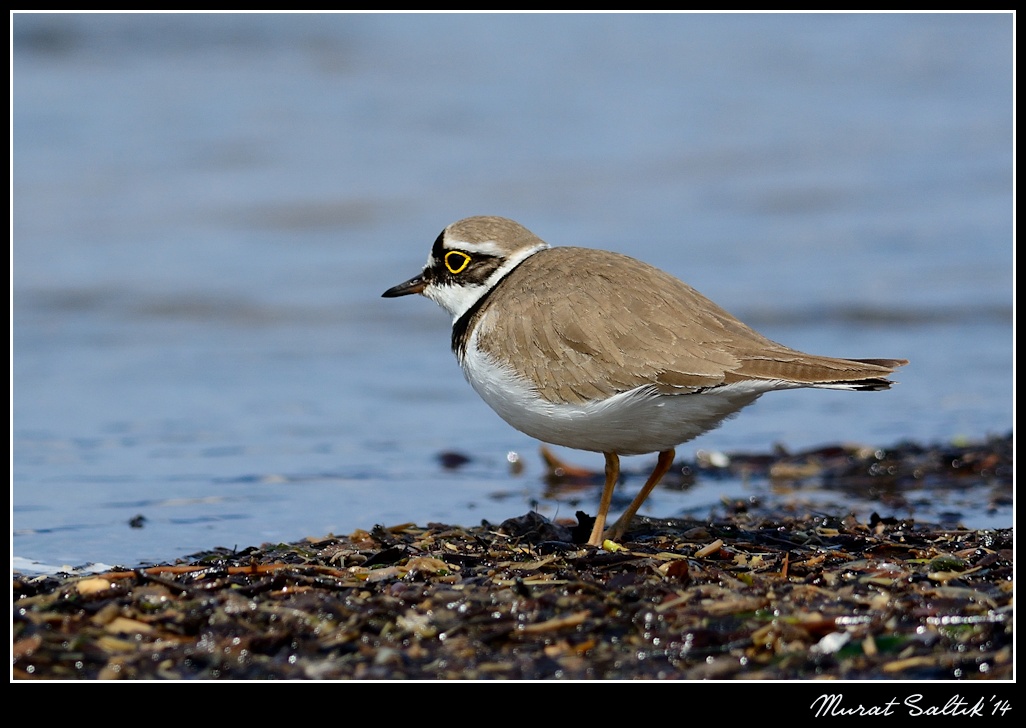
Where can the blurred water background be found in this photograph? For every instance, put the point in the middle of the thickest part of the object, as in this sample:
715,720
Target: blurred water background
207,207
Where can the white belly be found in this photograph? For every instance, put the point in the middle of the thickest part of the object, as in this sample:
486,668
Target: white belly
631,423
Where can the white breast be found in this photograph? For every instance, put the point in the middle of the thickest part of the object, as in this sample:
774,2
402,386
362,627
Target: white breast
630,423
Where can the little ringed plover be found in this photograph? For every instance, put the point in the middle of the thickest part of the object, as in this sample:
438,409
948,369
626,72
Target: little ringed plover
598,351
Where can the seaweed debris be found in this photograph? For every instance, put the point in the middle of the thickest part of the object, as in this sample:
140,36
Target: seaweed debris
742,597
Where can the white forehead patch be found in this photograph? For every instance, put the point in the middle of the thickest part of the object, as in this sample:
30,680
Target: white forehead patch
487,247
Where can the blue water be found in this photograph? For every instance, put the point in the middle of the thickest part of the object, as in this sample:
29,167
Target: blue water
206,209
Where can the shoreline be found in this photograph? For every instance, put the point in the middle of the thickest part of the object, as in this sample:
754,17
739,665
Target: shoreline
759,593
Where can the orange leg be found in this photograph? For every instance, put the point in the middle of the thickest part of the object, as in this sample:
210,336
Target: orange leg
612,475
617,530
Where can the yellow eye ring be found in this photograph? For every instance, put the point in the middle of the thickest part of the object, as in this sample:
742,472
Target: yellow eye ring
462,262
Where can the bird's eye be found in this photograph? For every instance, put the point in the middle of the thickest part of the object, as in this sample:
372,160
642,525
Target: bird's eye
456,261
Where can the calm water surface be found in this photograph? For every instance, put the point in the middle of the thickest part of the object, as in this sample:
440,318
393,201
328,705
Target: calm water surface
206,209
